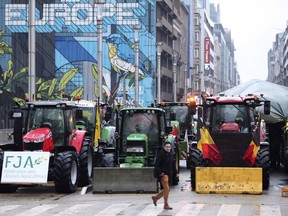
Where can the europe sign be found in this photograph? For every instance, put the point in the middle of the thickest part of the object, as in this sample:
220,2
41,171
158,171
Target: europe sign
73,17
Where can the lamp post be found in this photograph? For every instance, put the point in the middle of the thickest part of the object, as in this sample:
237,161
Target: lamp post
32,52
100,4
136,29
159,50
185,81
175,56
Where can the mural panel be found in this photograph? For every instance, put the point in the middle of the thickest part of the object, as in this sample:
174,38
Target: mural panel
67,49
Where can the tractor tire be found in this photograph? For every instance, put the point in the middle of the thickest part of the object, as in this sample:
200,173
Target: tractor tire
86,163
5,188
196,159
66,172
263,161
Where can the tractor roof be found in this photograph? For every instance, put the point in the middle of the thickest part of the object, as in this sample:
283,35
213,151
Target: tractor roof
54,103
142,109
232,99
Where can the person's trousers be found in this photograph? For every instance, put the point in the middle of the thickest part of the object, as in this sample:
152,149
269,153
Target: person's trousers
165,191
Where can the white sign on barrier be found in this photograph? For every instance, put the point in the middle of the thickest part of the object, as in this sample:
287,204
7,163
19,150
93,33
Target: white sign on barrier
25,167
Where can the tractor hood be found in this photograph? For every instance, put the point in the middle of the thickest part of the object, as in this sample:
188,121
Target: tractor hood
37,135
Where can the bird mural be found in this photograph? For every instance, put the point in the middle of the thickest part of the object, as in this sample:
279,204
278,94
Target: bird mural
122,59
122,56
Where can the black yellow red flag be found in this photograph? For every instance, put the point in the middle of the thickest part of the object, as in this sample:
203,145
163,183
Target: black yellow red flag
251,153
208,147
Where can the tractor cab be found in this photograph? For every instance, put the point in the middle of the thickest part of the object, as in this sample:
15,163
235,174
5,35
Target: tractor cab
144,128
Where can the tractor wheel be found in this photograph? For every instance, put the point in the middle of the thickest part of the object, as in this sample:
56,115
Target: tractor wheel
66,172
196,159
262,160
86,163
5,188
175,179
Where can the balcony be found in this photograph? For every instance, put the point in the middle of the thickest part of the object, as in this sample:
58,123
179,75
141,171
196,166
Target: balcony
166,4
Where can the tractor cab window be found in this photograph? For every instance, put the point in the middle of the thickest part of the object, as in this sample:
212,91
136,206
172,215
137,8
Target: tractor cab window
141,123
181,113
229,118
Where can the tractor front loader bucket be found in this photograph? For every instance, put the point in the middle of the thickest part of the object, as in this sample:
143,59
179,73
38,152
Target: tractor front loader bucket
229,180
124,180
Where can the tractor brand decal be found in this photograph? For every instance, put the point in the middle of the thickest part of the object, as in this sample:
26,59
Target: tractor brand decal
25,167
77,17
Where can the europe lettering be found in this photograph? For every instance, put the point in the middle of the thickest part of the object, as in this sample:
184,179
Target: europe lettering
71,17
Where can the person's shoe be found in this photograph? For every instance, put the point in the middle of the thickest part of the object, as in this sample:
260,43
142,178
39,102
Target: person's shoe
154,201
167,207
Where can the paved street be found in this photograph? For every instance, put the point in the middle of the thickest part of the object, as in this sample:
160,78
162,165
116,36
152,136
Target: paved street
44,201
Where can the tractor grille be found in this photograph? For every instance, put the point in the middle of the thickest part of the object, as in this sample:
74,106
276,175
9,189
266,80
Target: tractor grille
31,146
232,148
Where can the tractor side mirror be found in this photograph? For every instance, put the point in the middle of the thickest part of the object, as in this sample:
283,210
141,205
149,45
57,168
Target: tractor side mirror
79,114
172,116
267,107
108,114
168,129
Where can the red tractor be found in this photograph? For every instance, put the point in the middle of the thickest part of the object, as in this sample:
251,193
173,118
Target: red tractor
50,126
231,145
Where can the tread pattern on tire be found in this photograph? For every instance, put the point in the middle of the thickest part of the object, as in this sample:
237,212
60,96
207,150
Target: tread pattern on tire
62,172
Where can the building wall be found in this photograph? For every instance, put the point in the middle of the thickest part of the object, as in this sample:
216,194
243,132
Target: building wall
67,49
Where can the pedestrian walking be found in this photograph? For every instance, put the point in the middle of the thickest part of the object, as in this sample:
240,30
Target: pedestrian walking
163,171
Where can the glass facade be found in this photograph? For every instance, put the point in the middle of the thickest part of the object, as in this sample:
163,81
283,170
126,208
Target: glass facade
67,49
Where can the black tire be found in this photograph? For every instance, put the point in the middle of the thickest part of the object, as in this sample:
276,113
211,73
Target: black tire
196,159
66,172
86,163
263,161
6,188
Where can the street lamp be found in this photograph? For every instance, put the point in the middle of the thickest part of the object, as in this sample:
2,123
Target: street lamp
175,59
136,29
32,51
100,4
159,50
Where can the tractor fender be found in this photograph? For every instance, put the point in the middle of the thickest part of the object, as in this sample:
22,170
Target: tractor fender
77,139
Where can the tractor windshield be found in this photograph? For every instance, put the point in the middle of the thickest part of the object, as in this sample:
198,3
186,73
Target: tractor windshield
181,113
141,123
45,117
229,118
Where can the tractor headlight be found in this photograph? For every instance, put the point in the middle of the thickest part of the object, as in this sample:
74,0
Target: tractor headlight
26,141
39,140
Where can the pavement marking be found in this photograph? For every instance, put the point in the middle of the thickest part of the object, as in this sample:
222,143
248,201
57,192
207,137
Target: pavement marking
4,209
76,209
190,209
151,210
37,210
268,210
229,210
113,210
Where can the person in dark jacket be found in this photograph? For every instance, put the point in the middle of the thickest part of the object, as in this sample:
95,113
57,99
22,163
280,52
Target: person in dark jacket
164,168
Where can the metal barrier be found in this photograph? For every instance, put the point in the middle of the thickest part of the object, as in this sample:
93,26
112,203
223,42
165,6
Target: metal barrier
124,180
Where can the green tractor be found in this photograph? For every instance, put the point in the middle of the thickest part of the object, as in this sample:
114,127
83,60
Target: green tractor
97,120
180,116
140,135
